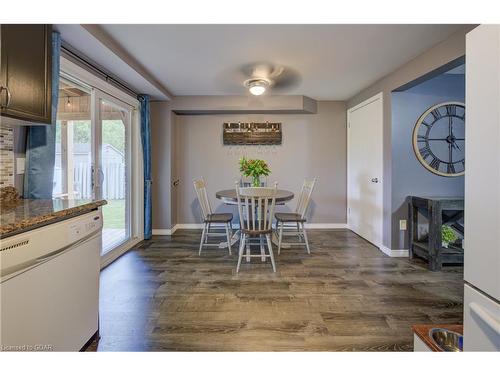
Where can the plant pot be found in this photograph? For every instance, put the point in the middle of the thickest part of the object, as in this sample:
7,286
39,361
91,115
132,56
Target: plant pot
256,181
252,182
445,244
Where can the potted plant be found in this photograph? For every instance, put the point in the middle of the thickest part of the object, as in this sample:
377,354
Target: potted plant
448,235
254,168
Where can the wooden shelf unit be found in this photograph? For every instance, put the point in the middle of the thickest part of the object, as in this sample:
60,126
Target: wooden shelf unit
432,250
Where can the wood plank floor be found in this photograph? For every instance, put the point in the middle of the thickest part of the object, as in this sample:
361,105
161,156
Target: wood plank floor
345,296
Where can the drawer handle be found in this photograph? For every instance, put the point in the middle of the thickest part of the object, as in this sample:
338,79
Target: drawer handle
486,317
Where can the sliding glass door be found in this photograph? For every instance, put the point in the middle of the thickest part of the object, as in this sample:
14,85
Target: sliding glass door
94,159
113,172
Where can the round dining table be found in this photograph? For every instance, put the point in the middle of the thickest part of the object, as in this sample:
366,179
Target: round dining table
229,197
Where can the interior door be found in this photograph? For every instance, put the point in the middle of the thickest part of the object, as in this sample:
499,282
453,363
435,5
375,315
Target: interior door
364,169
113,144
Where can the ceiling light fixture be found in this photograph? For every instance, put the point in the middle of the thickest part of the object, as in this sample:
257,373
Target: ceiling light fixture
257,86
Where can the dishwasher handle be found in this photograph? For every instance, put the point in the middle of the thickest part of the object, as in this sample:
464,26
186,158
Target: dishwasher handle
26,266
492,321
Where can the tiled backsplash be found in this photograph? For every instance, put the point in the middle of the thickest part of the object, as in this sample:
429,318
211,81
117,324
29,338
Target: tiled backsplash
6,156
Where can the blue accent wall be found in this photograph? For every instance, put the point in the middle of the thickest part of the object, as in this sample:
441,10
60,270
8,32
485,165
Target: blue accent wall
409,177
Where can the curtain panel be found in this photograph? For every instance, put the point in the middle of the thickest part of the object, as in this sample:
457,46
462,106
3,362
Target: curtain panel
146,150
40,142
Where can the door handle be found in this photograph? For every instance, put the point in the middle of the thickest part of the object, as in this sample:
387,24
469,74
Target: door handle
375,179
92,178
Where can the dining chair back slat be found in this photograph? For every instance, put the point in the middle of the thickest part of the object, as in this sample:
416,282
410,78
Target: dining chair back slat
304,197
201,191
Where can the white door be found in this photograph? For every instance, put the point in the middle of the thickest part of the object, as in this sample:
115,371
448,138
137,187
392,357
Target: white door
364,169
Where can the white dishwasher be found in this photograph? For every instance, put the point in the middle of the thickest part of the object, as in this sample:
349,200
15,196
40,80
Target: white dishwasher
49,286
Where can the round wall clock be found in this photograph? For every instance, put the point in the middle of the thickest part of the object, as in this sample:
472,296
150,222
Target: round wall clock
439,139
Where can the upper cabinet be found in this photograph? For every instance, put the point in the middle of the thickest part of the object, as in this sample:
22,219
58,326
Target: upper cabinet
26,72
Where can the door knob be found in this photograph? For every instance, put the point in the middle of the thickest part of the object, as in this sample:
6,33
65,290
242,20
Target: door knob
375,179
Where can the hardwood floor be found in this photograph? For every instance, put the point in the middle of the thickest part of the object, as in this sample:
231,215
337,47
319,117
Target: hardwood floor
345,296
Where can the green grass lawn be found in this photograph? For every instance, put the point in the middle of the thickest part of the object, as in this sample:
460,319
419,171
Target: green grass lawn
114,214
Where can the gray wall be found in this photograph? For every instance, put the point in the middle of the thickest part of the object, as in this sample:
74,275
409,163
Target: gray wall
314,145
439,55
409,177
162,134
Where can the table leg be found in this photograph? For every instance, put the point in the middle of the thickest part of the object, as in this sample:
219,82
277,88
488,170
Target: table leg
235,238
435,243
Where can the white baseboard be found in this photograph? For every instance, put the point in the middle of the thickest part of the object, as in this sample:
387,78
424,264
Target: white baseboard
192,226
393,253
164,232
169,232
326,225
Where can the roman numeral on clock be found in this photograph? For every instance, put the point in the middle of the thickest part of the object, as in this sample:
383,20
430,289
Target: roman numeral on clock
451,110
436,114
450,168
421,138
435,163
425,152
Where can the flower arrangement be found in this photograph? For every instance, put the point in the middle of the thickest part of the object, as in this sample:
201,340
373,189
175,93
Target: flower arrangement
254,168
448,235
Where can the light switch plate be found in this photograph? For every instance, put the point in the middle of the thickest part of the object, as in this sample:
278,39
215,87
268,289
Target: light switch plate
402,224
20,165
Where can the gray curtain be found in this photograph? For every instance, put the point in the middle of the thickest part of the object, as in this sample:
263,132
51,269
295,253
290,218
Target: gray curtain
40,143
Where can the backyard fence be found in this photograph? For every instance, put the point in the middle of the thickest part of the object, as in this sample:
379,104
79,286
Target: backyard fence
113,181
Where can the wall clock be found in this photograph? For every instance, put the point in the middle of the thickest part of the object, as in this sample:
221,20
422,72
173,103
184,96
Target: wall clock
439,139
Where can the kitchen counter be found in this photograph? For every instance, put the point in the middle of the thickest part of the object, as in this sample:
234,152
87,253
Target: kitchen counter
26,214
422,331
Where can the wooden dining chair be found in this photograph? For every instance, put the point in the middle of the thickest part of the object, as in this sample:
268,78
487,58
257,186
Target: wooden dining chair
293,223
210,218
256,209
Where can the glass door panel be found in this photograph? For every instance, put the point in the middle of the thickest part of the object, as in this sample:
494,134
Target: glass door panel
114,150
74,151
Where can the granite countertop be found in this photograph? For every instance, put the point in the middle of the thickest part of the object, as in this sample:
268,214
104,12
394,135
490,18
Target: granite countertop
422,331
25,214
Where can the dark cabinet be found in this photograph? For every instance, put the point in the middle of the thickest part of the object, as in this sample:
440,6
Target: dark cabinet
26,72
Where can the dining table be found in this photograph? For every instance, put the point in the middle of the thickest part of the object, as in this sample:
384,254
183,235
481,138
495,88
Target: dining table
229,197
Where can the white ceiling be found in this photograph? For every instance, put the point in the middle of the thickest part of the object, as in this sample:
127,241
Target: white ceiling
326,62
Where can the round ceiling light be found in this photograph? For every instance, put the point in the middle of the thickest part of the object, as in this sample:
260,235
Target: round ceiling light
257,86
